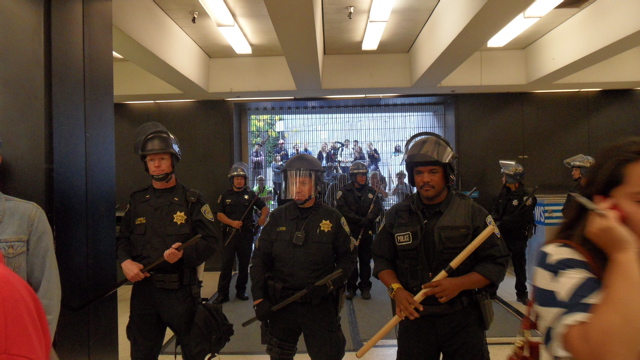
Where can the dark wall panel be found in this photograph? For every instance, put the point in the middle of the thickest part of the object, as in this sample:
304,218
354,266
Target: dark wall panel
539,131
23,101
205,132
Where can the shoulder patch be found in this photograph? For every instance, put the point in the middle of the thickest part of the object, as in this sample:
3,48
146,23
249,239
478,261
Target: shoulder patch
206,211
490,222
343,222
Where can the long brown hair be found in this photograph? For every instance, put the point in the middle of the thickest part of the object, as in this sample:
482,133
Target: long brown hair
606,175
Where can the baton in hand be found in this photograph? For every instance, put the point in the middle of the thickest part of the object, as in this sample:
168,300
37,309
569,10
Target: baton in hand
373,202
233,232
159,261
422,294
297,295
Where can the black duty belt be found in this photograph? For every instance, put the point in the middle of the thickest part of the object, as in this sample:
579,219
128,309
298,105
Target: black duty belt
450,306
166,281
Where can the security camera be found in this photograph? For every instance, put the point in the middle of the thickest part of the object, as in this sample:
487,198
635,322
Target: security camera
350,10
195,16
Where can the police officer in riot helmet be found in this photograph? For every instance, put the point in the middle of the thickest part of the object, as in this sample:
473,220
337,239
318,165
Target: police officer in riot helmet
580,165
159,218
419,238
235,210
513,211
360,204
303,242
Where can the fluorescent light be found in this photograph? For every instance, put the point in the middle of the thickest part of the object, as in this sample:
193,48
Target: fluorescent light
550,91
378,16
260,98
541,8
117,56
219,10
138,102
236,39
373,34
170,101
513,29
380,10
343,96
227,25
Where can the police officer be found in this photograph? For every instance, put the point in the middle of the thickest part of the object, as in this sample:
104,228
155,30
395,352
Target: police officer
579,165
235,210
513,210
419,238
303,242
161,217
361,205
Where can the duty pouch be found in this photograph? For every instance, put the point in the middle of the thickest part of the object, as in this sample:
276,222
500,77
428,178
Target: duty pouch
486,307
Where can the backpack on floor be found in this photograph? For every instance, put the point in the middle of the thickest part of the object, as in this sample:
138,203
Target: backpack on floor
211,331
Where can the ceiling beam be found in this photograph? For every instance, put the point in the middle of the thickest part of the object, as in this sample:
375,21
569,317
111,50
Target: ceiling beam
146,36
604,29
301,39
455,31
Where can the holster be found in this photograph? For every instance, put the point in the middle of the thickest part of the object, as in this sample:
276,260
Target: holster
486,307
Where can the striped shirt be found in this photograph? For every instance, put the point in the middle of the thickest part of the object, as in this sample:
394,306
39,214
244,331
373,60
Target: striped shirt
565,289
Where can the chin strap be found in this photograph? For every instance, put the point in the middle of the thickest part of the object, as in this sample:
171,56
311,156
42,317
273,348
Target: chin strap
164,177
306,200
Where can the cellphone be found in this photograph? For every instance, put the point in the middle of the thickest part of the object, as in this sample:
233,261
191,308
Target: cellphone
298,238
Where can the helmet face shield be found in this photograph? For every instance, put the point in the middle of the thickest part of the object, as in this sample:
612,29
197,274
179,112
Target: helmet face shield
579,161
300,185
514,172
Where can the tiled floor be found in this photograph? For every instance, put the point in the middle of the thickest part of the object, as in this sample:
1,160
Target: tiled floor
499,352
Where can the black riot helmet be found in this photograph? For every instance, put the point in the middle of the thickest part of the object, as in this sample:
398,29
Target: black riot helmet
429,149
239,169
582,162
358,168
514,172
154,138
302,165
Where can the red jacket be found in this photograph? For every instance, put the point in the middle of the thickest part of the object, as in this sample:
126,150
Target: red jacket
24,333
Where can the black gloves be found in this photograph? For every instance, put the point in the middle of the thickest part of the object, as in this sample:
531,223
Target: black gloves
263,310
364,222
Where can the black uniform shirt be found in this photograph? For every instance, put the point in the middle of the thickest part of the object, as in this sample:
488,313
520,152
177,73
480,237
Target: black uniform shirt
513,218
157,219
354,204
234,204
327,246
417,248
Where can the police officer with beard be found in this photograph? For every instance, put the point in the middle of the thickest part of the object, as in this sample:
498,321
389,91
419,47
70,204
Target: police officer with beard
161,217
579,165
354,201
235,210
420,237
303,242
516,221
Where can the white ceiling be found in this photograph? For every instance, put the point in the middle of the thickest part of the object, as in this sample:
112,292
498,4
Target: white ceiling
310,48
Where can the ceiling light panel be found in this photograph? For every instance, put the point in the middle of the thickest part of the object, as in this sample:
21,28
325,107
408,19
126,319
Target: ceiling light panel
541,8
513,29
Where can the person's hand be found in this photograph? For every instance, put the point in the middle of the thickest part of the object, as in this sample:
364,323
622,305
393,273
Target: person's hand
131,270
445,289
263,311
172,255
406,305
236,224
607,231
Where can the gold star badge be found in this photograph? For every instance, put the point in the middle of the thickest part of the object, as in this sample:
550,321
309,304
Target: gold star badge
325,225
179,217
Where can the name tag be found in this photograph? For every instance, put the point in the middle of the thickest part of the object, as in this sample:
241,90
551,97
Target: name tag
403,238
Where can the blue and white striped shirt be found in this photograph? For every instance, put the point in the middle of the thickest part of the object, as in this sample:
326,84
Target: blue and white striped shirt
565,289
